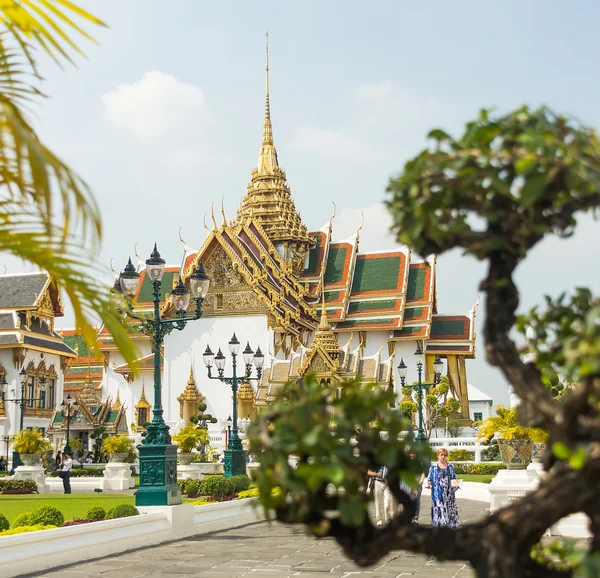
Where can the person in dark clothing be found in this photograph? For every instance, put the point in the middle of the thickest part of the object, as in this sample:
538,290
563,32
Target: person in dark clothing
67,464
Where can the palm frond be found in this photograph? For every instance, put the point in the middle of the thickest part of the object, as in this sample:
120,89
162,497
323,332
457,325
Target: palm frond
23,234
43,22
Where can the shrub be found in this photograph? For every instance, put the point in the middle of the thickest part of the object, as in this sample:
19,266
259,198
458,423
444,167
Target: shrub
118,445
23,529
252,493
461,456
23,519
96,513
81,473
21,491
218,486
190,487
4,524
47,516
240,483
18,485
78,522
122,511
31,442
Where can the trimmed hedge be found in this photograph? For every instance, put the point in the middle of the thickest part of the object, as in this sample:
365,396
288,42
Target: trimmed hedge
240,483
218,487
461,456
4,523
81,473
18,485
478,469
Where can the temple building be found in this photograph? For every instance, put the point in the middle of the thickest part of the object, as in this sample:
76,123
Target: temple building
310,301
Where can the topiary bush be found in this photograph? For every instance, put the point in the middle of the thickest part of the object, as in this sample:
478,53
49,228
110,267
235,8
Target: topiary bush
218,486
122,511
47,516
240,483
191,487
4,523
96,513
22,520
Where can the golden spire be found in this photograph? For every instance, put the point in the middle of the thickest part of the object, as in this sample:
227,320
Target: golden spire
269,202
117,404
324,324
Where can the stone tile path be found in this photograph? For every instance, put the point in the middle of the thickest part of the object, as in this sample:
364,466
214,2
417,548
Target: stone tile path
265,550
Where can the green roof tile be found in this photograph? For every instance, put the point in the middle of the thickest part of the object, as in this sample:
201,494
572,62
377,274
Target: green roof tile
416,283
313,257
145,294
413,313
376,274
334,273
382,304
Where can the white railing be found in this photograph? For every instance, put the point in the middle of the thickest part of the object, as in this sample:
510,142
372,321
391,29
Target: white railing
471,444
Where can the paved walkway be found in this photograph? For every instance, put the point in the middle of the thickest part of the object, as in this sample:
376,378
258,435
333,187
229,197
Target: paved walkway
265,550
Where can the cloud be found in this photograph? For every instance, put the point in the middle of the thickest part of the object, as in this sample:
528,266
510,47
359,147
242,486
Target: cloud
156,107
332,143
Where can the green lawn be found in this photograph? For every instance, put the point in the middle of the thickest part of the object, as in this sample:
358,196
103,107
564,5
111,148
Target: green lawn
483,478
72,506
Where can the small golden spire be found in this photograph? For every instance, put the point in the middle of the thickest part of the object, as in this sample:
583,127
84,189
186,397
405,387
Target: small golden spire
324,324
117,404
268,129
191,380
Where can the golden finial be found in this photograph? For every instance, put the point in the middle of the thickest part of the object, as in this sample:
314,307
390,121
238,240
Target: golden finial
212,214
268,129
138,256
223,210
204,222
324,324
191,380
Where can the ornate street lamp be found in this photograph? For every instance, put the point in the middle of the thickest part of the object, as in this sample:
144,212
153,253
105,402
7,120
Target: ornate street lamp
68,408
235,458
158,456
438,365
21,401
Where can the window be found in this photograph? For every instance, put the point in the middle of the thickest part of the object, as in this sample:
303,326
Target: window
30,390
42,401
477,416
142,416
51,393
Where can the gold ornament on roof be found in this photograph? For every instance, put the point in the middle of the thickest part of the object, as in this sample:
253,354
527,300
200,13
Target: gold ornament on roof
245,392
269,201
117,404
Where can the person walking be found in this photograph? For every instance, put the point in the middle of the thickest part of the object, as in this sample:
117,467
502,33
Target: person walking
417,493
379,477
67,464
443,483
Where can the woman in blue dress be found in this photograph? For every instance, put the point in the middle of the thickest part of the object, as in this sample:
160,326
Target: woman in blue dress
444,511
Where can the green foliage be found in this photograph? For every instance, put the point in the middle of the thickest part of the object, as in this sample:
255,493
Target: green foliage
122,511
504,424
530,163
81,473
120,444
96,513
23,519
4,523
31,442
76,445
18,485
218,486
565,337
567,555
491,453
479,469
26,529
99,434
461,456
47,516
188,438
190,486
240,483
337,439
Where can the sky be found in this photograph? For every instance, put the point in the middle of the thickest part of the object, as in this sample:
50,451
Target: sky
164,116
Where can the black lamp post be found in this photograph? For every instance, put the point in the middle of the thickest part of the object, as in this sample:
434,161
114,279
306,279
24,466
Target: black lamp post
69,407
21,401
235,459
158,456
438,365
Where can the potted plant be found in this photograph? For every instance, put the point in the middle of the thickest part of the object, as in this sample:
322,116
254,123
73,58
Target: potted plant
30,445
515,442
188,438
117,447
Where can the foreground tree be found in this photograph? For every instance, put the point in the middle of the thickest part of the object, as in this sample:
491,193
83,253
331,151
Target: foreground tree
48,216
495,192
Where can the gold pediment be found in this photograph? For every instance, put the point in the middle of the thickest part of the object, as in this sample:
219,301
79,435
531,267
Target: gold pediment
223,277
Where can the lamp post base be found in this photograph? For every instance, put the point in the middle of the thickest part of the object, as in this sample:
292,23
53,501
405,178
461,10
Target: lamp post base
16,462
234,463
158,476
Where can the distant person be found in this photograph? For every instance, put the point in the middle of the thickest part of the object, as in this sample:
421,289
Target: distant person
67,464
58,460
417,493
2,464
443,483
379,493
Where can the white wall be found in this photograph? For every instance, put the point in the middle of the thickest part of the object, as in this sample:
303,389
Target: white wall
186,347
